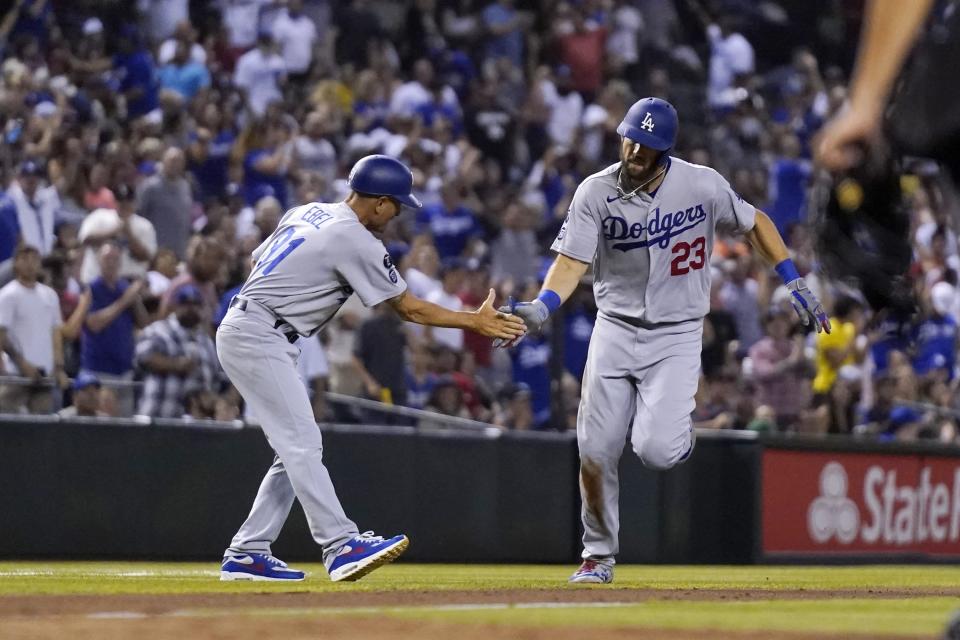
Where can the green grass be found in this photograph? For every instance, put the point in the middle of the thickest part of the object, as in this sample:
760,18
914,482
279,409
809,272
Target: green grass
144,577
854,615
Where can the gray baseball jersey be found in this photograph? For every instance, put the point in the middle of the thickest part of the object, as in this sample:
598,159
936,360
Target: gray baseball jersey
650,253
319,255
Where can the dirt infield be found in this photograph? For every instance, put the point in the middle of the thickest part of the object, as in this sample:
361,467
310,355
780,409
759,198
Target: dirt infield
165,604
353,628
302,615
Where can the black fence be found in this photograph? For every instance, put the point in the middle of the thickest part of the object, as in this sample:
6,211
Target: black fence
89,490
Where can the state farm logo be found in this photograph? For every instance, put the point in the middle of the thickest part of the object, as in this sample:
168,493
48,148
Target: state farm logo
833,513
893,513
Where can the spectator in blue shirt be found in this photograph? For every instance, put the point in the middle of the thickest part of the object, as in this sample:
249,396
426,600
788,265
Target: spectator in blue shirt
34,18
420,380
531,366
788,185
133,66
505,27
238,276
436,108
183,75
107,343
893,334
578,327
208,155
266,153
370,104
9,237
936,335
137,81
451,223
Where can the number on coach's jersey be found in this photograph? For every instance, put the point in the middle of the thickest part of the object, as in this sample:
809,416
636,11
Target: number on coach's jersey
681,251
268,262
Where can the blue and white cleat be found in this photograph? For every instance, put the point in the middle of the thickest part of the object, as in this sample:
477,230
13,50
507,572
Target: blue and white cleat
363,554
593,572
257,566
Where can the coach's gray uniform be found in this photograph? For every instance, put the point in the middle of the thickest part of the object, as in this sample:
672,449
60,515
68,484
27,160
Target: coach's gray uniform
651,275
317,257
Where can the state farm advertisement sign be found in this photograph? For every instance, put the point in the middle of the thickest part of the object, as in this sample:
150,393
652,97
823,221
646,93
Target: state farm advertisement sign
852,503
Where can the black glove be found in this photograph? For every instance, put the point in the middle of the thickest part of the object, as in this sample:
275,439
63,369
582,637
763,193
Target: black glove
863,233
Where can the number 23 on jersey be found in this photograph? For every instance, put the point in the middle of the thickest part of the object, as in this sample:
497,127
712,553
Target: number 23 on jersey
682,262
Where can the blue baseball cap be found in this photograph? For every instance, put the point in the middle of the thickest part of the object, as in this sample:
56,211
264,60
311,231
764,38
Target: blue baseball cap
452,263
85,379
262,191
32,168
188,293
380,175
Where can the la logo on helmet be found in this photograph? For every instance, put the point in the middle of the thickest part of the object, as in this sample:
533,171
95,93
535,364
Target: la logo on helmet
647,122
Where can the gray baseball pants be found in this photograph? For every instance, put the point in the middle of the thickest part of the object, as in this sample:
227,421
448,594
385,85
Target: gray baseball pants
261,363
646,376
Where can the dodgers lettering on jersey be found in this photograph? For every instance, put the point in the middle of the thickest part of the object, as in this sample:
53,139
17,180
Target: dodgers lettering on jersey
650,255
318,256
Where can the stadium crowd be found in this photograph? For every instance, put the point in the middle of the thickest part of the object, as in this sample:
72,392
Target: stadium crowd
146,153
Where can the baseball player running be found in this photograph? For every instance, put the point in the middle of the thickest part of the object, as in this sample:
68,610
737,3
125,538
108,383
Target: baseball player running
318,256
647,226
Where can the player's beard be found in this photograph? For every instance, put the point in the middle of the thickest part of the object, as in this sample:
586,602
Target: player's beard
634,174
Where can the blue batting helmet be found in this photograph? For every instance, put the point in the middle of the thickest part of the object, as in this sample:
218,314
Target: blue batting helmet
381,175
651,122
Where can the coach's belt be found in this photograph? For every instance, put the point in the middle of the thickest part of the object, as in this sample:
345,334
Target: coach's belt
290,334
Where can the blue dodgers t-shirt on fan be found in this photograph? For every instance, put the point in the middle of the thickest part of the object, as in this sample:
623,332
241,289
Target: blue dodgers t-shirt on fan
578,328
257,184
9,227
451,230
936,340
894,335
110,350
788,187
212,174
136,70
531,360
418,393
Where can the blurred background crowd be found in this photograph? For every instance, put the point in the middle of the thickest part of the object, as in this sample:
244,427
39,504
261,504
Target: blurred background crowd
149,146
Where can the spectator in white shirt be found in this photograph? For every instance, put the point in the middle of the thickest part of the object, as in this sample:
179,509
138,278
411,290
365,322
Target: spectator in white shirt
296,34
422,267
623,44
600,119
134,234
163,272
30,336
242,20
451,275
731,56
163,16
410,96
260,74
566,108
36,206
186,34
